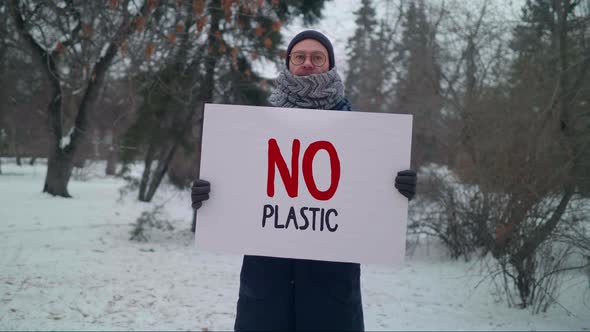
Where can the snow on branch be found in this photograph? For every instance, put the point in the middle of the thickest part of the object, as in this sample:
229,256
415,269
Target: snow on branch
134,7
65,140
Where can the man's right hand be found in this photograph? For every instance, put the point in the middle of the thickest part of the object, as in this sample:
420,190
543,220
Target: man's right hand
199,192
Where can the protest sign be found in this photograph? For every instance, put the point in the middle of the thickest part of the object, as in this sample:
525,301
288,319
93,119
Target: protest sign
300,183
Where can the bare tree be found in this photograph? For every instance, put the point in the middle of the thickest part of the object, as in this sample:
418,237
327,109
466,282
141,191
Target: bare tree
75,51
522,151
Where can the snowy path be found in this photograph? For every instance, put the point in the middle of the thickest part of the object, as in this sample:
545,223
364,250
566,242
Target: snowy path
68,264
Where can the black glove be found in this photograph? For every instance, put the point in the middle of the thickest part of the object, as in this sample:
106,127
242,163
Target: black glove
200,192
405,182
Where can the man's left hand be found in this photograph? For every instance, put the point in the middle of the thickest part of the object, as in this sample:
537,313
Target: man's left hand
405,182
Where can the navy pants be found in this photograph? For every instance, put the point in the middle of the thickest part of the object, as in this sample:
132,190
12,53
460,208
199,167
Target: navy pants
295,294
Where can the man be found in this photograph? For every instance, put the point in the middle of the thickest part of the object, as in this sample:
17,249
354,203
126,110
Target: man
296,294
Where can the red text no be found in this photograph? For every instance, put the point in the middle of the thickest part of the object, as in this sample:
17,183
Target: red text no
291,178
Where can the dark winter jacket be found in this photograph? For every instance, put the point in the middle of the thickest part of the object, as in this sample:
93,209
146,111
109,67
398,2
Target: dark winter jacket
284,294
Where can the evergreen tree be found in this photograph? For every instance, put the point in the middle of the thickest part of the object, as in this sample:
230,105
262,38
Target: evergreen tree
358,81
214,66
418,89
369,61
551,46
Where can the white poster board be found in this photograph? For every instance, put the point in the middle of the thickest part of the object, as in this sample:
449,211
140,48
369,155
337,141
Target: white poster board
359,215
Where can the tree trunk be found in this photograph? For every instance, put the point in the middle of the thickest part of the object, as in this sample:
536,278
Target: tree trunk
525,280
207,93
59,170
160,172
540,233
32,161
13,141
164,161
79,162
61,161
145,177
111,161
16,149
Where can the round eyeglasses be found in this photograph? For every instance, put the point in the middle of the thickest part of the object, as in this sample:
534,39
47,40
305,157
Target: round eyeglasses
318,59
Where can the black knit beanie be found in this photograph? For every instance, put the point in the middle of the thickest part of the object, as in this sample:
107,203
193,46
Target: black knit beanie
315,35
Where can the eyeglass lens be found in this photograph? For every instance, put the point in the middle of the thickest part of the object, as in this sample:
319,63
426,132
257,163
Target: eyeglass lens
317,58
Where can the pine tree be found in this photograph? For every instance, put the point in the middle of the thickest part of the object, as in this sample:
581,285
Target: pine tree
358,81
418,89
552,51
214,66
381,68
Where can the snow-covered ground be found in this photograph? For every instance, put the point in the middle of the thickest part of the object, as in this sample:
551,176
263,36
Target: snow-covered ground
68,264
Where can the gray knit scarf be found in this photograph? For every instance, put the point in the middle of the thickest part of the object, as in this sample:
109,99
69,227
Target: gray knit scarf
318,91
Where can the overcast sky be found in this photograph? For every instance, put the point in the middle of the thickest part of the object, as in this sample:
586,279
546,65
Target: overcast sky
338,24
